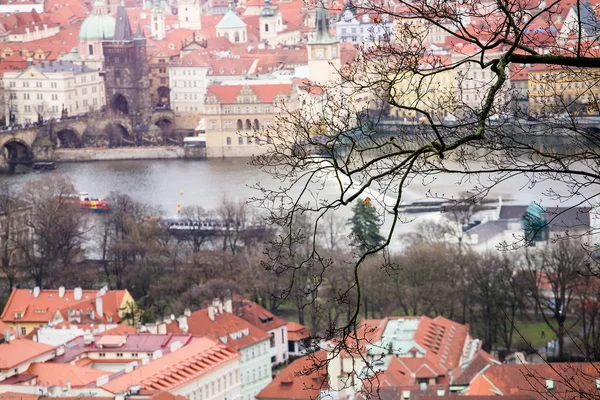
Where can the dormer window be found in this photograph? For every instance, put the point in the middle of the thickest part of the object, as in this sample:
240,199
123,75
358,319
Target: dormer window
18,315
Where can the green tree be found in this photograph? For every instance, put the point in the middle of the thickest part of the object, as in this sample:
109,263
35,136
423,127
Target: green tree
365,226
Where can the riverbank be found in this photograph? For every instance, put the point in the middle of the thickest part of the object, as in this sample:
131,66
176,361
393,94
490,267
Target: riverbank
128,153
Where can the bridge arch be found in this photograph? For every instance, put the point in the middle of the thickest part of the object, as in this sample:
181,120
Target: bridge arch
166,126
118,135
120,104
68,138
17,152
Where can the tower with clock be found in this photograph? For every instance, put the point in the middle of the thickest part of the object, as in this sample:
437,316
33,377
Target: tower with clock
323,50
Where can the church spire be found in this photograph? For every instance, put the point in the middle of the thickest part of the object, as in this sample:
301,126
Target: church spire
123,27
322,34
267,10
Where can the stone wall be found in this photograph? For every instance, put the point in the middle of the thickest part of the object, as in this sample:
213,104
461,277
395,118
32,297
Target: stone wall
138,153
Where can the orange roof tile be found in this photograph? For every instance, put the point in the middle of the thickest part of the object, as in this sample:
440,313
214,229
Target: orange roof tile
238,332
303,379
21,350
23,396
50,374
165,373
530,379
44,307
267,93
257,315
296,332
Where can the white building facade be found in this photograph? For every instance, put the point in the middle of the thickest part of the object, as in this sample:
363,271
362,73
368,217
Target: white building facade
48,90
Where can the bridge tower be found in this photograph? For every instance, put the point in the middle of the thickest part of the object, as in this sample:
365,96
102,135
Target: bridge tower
126,77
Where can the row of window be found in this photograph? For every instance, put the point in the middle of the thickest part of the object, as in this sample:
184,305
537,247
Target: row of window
240,124
248,140
53,96
53,85
215,387
55,109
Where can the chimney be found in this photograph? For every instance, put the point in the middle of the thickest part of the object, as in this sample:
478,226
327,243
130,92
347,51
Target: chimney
7,335
99,307
77,293
187,312
61,292
157,354
162,328
211,313
228,305
182,321
36,292
218,305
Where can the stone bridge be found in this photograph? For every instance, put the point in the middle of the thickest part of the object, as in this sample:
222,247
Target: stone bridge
36,143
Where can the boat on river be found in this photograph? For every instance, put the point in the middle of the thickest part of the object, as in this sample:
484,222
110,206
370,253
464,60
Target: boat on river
93,204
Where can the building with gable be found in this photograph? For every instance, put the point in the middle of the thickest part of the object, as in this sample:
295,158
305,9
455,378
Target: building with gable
192,74
232,27
264,319
418,350
116,366
354,27
304,379
52,89
235,114
28,26
536,381
220,323
27,309
17,355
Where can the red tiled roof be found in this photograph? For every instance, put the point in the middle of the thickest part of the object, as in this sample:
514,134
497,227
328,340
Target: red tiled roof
175,368
267,93
303,379
18,351
257,315
296,332
530,379
51,374
44,307
237,332
24,396
135,343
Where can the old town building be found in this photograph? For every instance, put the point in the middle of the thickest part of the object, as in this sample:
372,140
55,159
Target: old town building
51,89
235,113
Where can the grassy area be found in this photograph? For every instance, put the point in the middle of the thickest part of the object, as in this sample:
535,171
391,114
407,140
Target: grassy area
531,330
287,311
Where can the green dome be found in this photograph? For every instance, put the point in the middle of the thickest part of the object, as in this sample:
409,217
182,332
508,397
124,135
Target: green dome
97,26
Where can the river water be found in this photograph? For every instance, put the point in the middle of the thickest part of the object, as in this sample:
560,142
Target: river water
205,182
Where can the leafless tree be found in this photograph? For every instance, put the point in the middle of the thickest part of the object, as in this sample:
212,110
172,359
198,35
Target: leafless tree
57,226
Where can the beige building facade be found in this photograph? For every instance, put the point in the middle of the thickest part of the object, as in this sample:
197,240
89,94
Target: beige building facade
235,117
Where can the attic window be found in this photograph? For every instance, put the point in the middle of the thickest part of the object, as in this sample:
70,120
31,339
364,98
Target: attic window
286,383
549,384
597,384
